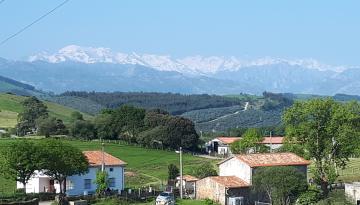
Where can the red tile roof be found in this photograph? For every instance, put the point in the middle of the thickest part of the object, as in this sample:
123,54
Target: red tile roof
272,159
95,159
230,181
228,140
188,178
273,140
267,140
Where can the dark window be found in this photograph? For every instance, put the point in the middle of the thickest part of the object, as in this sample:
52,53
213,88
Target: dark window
111,182
87,183
111,169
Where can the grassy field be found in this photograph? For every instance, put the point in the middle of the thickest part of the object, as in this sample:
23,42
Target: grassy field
10,105
147,166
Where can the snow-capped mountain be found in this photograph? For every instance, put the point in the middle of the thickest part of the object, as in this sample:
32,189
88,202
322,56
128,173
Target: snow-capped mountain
194,65
100,69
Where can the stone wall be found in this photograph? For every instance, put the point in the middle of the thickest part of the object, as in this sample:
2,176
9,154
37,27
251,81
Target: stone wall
209,189
30,202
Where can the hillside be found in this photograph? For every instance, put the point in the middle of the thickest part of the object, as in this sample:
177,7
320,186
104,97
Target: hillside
8,85
175,104
10,106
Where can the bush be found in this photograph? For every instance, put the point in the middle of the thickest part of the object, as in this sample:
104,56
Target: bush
310,196
210,202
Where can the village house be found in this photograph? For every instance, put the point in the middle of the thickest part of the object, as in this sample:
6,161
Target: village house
352,192
221,145
189,185
82,184
232,186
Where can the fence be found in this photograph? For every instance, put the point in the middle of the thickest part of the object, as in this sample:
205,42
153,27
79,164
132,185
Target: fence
261,203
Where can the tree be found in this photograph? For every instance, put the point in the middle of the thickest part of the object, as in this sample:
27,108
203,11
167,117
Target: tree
76,115
83,129
181,133
281,184
63,160
129,121
204,170
328,132
104,126
173,171
20,160
50,126
250,142
101,182
33,109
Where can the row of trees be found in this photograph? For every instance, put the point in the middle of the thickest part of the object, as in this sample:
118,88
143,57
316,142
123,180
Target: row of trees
20,159
150,128
173,103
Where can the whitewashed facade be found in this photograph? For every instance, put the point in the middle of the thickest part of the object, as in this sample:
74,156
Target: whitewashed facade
352,191
81,184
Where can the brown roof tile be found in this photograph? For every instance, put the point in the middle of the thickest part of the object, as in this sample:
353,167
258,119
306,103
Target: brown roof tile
230,181
272,159
228,140
266,140
188,178
95,159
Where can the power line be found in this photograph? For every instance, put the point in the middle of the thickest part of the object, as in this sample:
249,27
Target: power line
32,23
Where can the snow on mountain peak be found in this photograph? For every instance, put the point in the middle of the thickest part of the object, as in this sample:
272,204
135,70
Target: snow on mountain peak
187,65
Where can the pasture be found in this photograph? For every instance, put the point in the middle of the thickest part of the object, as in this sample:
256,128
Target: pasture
145,166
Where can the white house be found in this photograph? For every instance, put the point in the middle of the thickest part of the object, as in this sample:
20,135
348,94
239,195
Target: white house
352,192
82,184
232,186
221,145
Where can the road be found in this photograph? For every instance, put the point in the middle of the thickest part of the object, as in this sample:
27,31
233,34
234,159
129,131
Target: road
231,114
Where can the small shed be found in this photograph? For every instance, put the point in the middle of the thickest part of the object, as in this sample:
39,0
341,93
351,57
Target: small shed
189,185
225,190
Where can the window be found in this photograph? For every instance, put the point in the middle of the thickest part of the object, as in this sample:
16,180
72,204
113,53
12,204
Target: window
87,183
111,182
69,184
111,169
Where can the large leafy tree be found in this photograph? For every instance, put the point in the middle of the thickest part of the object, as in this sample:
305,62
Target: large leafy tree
50,126
20,160
83,129
280,184
250,143
105,128
33,109
129,121
204,170
328,132
63,160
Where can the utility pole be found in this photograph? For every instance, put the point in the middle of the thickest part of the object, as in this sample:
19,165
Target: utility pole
181,175
103,157
270,142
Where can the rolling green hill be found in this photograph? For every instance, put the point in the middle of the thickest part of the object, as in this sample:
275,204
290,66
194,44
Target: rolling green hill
10,106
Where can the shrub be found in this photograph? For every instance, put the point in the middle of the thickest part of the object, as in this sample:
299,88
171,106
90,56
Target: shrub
310,196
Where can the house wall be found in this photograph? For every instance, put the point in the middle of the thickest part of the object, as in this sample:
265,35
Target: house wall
234,167
352,191
36,183
274,146
78,181
209,189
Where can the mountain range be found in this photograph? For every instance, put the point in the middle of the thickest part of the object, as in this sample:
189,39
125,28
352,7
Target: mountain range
99,69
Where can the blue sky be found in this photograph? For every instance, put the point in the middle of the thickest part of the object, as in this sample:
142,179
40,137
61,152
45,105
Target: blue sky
328,31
